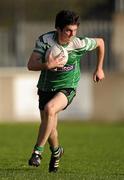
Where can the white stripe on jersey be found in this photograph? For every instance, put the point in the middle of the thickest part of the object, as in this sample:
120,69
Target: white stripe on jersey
87,44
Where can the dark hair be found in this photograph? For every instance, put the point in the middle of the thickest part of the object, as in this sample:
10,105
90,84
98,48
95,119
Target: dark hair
66,17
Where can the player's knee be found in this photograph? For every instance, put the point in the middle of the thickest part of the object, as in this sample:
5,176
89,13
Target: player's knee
49,109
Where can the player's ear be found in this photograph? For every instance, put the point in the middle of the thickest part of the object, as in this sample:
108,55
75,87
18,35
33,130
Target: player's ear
59,29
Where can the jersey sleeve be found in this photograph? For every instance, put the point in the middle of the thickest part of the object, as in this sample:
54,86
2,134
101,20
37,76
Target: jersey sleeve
83,44
89,44
39,47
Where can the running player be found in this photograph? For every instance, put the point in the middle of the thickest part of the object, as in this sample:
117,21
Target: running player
56,89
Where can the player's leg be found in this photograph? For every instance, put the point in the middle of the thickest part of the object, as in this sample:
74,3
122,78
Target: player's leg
56,104
36,157
53,138
56,150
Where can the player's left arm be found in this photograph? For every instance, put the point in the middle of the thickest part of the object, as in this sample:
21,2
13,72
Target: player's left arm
99,73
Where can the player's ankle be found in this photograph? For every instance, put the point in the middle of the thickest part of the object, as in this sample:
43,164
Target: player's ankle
38,149
55,150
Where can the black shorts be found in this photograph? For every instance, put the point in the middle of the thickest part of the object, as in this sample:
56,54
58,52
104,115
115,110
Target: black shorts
45,97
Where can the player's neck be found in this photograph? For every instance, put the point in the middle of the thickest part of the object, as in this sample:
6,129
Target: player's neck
61,40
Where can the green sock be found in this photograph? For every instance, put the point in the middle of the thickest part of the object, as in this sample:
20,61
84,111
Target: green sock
40,149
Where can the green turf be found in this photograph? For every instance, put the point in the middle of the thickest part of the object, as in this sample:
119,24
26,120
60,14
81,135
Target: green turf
92,152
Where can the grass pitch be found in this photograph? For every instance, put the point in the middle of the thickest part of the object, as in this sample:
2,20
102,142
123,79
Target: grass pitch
92,152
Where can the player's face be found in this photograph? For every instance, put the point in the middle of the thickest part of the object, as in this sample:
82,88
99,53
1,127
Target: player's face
67,33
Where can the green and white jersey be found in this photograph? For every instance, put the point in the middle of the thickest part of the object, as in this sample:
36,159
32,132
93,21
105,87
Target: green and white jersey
69,75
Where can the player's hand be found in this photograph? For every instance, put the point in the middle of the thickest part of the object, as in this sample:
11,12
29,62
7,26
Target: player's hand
98,75
55,62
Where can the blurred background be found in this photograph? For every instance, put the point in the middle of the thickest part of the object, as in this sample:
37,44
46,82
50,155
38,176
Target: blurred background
22,21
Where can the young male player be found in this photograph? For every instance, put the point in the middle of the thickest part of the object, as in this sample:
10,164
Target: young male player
56,89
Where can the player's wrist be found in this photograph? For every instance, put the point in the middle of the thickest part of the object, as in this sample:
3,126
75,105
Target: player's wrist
49,66
100,68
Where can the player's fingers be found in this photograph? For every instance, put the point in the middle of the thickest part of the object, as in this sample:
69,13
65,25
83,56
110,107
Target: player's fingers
96,78
60,66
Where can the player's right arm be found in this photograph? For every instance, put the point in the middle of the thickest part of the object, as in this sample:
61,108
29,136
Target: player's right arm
35,62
